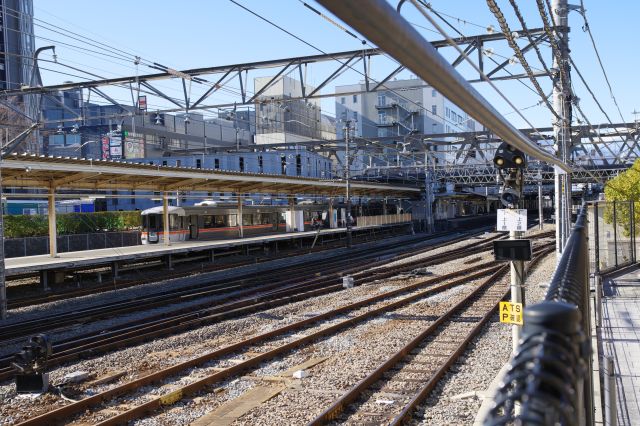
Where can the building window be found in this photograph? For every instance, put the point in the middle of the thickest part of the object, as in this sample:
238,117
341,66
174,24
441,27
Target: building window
434,109
355,99
216,163
382,117
447,112
260,164
433,93
178,163
198,163
343,100
355,115
241,163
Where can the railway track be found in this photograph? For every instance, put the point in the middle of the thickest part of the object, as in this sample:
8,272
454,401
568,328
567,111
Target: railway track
235,299
135,399
411,373
19,302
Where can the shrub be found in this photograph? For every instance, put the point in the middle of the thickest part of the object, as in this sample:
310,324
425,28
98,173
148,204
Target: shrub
17,226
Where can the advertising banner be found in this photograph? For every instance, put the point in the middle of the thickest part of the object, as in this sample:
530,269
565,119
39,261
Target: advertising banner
133,148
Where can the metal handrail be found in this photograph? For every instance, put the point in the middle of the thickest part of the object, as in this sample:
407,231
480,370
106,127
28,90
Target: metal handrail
549,377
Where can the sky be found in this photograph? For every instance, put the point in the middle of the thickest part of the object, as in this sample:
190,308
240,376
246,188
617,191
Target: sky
198,33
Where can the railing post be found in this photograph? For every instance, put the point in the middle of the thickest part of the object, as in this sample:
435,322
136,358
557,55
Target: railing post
598,279
615,235
610,418
632,225
596,234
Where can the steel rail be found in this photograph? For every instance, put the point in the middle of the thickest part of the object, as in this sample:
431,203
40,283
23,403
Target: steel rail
63,413
353,394
386,28
105,310
159,325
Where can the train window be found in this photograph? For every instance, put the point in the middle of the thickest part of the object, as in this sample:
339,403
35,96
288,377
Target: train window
198,163
153,222
175,222
208,221
233,220
241,163
247,220
260,164
220,221
216,163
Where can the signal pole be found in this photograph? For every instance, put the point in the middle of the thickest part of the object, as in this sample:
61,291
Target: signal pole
562,128
347,128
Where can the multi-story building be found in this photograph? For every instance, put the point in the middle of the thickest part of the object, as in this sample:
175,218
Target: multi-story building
282,162
280,119
75,127
401,108
17,47
17,43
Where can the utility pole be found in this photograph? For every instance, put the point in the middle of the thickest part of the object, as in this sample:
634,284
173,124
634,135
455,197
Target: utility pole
562,128
428,192
540,201
347,128
517,290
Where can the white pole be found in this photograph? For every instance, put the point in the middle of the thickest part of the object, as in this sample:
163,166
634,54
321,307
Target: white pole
53,234
165,218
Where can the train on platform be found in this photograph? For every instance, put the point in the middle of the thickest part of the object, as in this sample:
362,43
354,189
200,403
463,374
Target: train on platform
212,221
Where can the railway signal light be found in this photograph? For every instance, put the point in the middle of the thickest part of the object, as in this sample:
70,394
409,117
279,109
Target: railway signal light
30,363
508,157
510,163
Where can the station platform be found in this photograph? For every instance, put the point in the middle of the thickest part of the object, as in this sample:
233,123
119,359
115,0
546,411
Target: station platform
18,266
620,339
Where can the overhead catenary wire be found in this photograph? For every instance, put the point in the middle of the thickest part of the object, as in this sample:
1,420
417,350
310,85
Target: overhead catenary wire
495,9
587,28
441,16
337,60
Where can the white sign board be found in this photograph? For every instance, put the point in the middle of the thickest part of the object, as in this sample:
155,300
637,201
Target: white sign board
512,220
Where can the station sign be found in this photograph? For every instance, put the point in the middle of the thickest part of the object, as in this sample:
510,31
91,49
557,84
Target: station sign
512,220
511,313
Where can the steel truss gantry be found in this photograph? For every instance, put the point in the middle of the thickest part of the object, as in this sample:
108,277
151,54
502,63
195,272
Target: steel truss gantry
211,79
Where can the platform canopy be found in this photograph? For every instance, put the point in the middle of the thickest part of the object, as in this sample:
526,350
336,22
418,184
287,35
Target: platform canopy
33,171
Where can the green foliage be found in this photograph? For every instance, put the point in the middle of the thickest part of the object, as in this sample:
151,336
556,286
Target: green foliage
624,187
16,226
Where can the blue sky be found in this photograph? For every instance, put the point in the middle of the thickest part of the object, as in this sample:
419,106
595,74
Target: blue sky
191,34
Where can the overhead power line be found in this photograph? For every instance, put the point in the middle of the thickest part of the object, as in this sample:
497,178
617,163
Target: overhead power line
587,28
493,6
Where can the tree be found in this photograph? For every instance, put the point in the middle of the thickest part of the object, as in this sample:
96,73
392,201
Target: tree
623,189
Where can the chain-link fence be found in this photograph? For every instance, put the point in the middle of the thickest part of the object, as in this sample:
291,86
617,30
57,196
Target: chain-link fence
612,235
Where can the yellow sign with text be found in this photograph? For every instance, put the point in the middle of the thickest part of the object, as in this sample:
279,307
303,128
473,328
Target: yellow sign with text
511,313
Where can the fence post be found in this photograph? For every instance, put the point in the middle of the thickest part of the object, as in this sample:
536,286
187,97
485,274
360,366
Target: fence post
615,235
632,225
598,280
596,234
610,392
